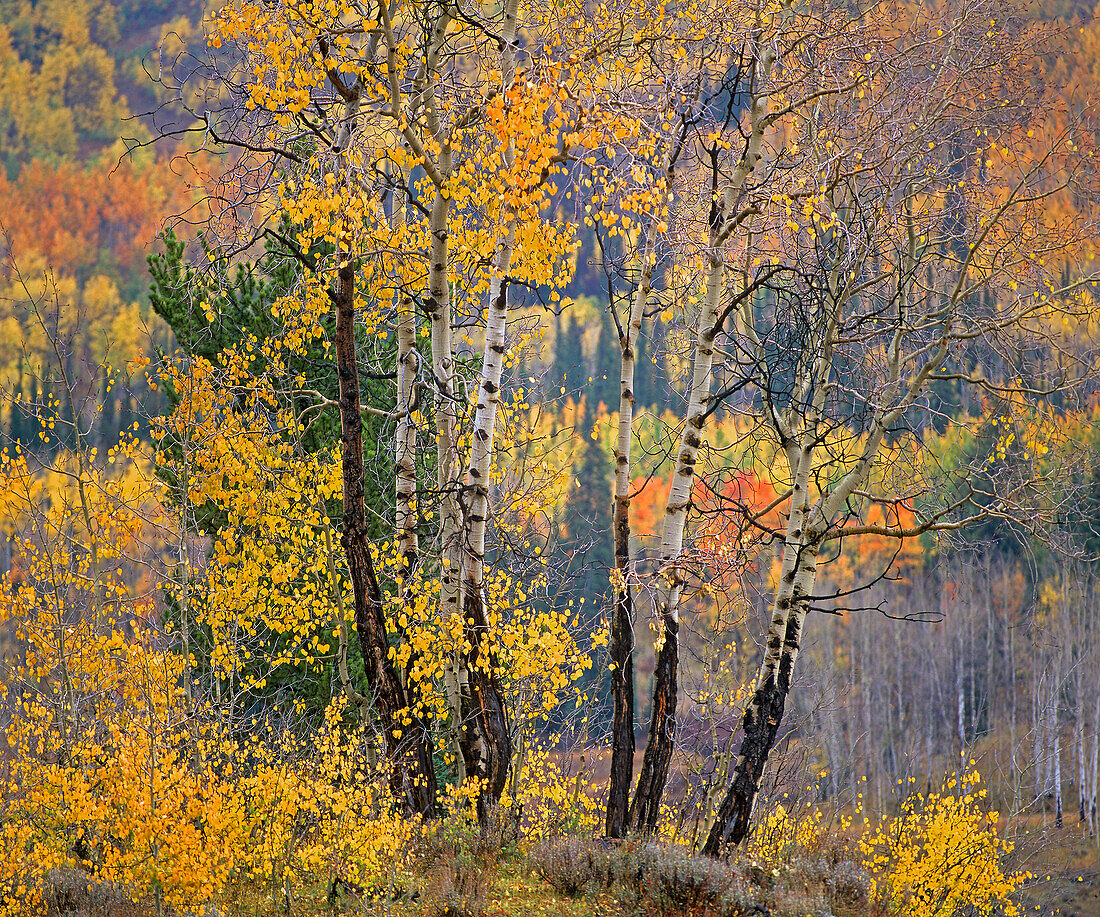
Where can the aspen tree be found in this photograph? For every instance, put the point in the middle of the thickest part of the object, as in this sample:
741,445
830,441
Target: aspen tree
349,91
731,176
622,624
487,748
717,113
429,177
902,226
622,629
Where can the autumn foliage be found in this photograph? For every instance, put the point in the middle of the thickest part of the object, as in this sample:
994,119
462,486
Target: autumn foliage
342,571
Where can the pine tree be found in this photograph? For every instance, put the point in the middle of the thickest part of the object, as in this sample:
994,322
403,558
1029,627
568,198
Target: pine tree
569,373
605,382
33,420
651,385
587,554
242,308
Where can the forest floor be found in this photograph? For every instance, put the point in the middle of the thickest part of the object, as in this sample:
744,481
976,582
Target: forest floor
483,880
1065,868
1066,872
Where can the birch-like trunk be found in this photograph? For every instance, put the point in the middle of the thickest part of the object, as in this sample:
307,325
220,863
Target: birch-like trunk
405,514
960,712
1055,759
622,621
486,741
1079,747
485,738
408,741
417,115
1095,765
762,716
645,808
1038,723
798,429
1082,782
438,307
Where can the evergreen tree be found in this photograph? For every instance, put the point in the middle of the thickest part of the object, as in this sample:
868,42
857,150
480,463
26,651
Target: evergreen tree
569,372
33,420
242,307
586,556
651,387
606,365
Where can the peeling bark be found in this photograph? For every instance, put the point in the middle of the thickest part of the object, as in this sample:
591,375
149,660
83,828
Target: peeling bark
485,737
662,728
723,220
486,741
438,308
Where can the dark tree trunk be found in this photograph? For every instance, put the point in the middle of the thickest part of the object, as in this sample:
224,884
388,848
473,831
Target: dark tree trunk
622,679
485,740
646,807
760,726
408,747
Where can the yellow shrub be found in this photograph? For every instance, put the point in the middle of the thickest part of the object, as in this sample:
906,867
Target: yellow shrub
317,809
780,833
130,793
548,801
941,853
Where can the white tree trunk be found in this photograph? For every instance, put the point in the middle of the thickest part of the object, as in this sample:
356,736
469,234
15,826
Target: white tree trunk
645,809
481,448
405,515
1096,768
621,645
438,307
486,740
662,727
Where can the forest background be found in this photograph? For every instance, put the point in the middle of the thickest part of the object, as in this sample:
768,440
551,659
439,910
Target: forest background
180,595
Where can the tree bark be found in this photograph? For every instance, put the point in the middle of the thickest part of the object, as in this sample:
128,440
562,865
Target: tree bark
798,431
764,712
622,621
486,741
723,219
485,738
438,307
406,512
408,747
645,808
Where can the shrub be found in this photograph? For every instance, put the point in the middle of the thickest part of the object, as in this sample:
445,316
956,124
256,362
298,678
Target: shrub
455,860
942,855
566,864
549,801
849,885
318,808
823,884
72,891
669,880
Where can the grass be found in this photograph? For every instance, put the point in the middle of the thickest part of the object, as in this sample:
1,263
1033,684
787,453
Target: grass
515,890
